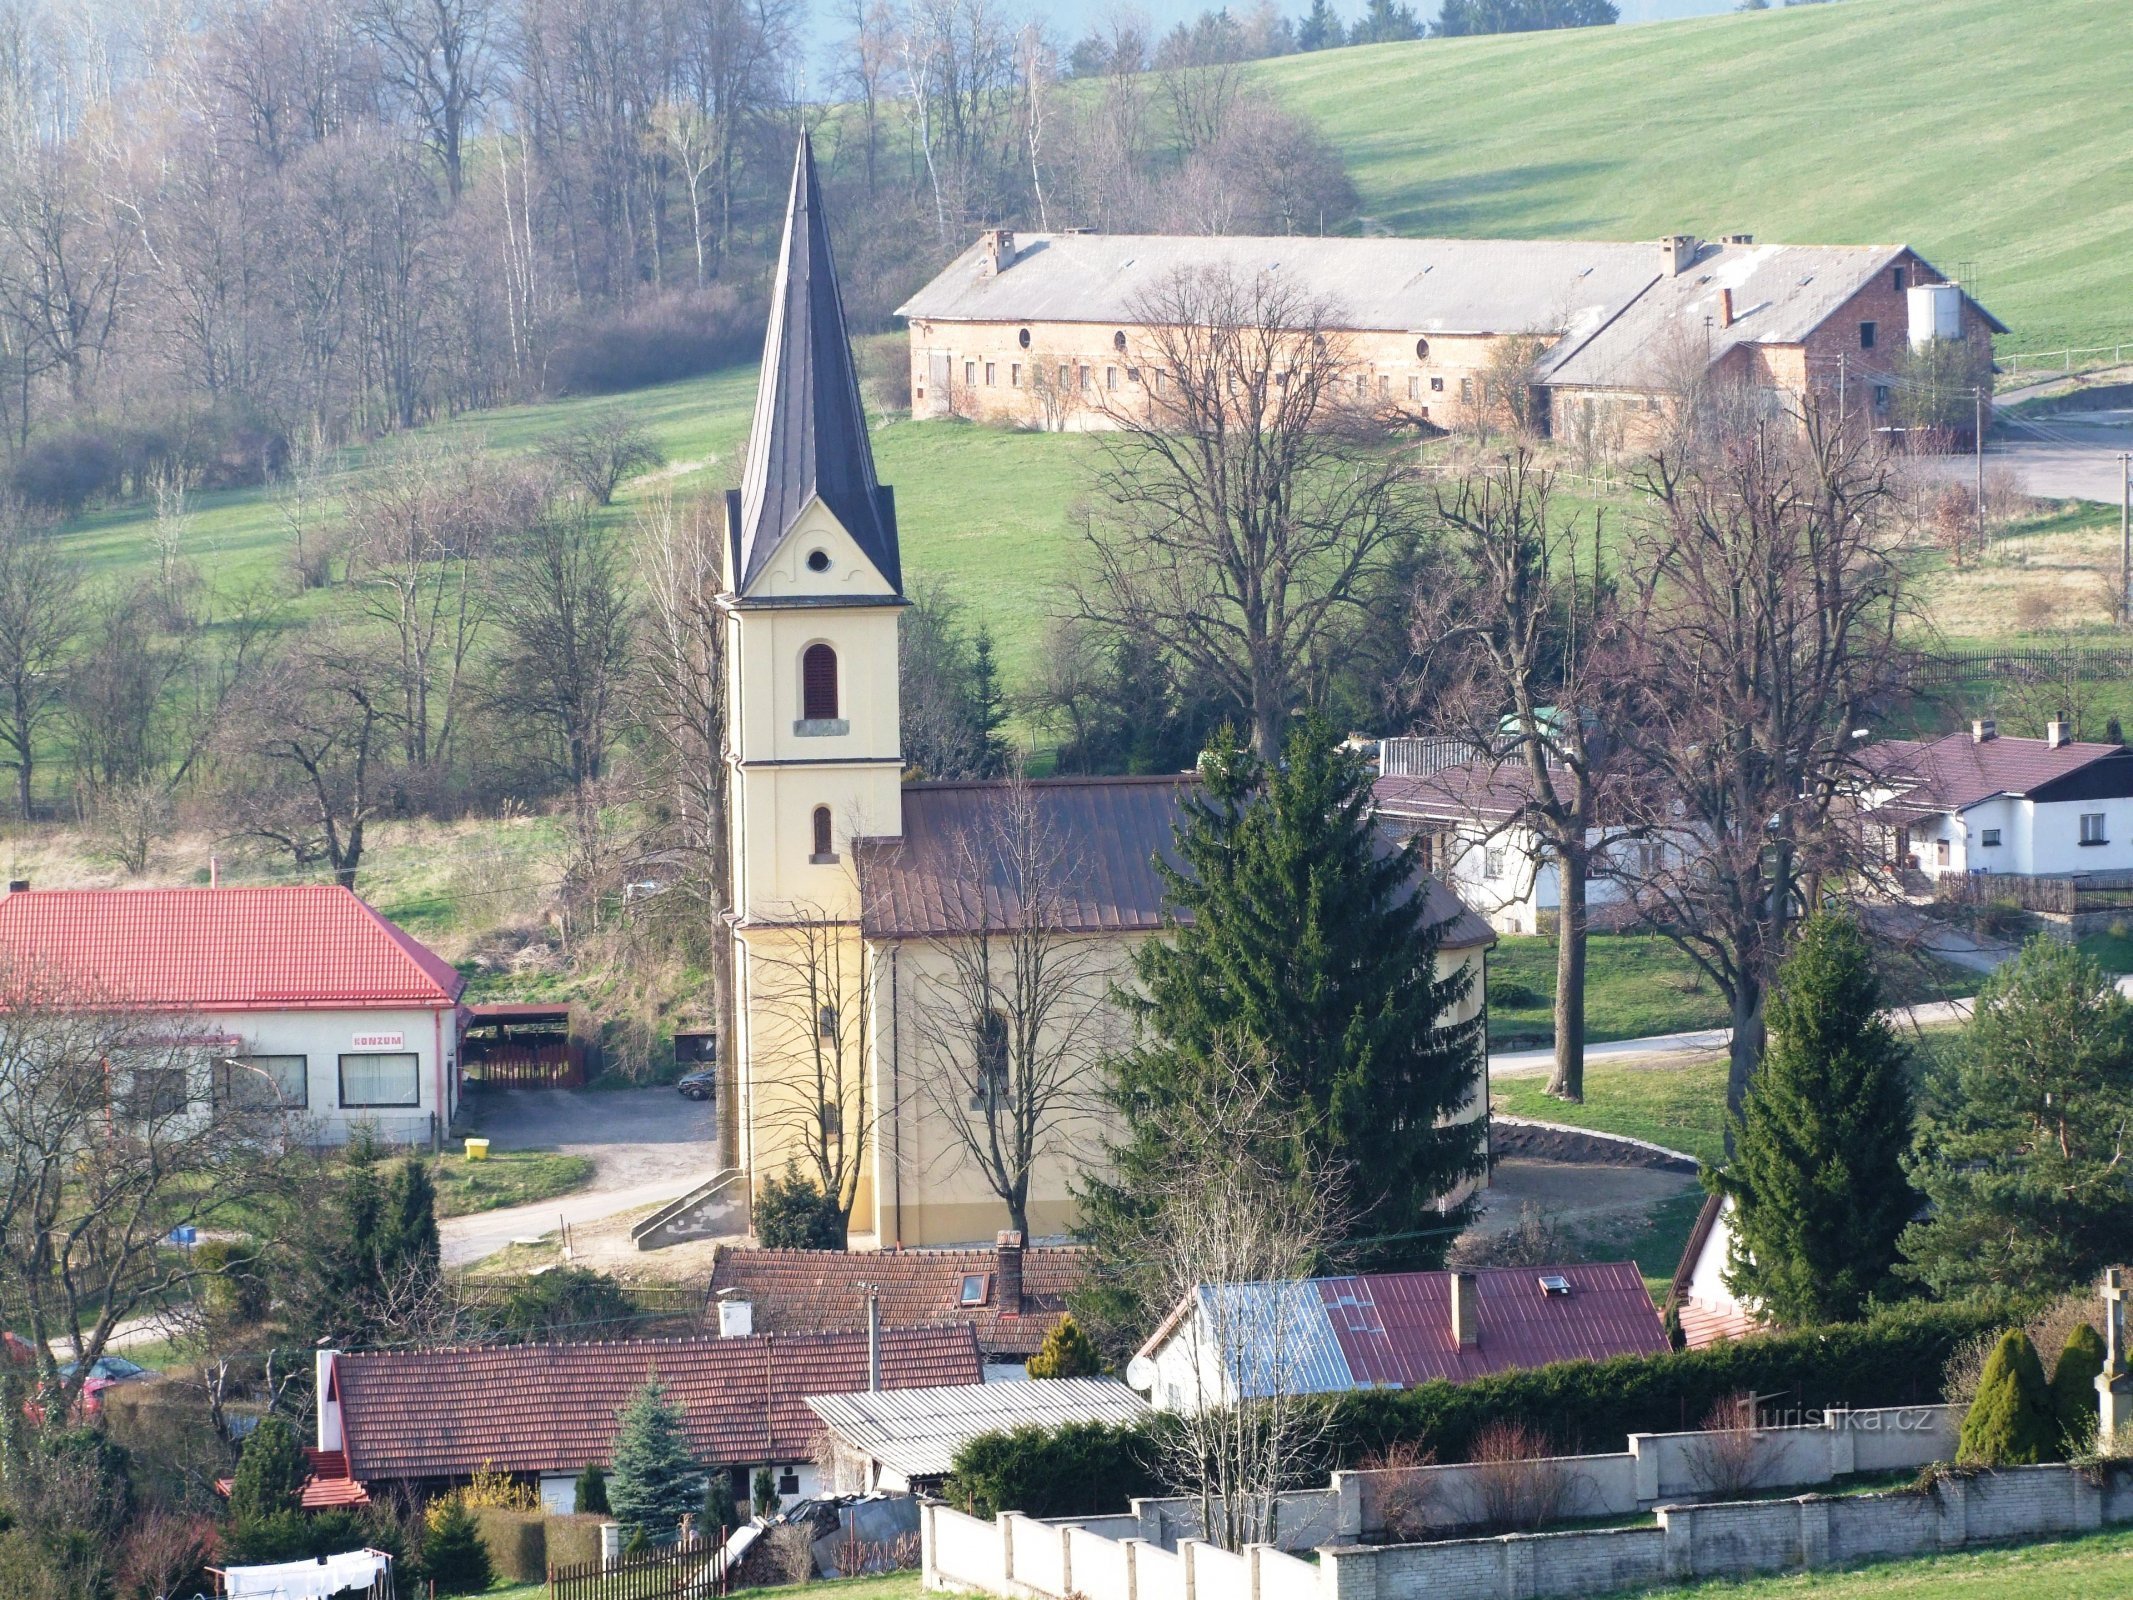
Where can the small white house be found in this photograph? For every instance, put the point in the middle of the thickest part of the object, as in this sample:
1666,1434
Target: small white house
300,996
1980,802
1707,1309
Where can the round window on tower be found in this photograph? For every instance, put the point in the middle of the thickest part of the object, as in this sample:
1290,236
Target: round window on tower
1022,338
818,561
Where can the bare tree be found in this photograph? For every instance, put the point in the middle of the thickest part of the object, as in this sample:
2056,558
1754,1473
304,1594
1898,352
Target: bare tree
599,453
1260,512
110,1138
438,56
814,978
1013,1011
40,619
307,731
302,495
1767,596
1531,645
1235,1234
564,614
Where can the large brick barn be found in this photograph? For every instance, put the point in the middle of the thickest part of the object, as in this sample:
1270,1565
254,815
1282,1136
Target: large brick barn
1048,329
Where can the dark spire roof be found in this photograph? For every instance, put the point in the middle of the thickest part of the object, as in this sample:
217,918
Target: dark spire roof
810,433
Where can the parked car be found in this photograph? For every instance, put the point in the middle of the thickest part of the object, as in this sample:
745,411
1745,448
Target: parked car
701,1084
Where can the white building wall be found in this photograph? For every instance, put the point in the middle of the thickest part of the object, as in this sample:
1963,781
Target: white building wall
322,1038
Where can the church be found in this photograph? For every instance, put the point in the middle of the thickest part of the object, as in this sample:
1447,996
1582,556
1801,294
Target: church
874,919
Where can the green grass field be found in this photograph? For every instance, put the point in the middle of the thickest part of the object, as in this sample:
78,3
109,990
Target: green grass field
1681,1106
894,1586
2099,1567
506,1178
1979,131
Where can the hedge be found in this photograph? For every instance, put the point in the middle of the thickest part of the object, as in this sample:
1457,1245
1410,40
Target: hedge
573,1541
1087,1469
517,1542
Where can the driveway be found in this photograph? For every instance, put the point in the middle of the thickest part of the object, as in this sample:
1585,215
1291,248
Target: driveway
2067,455
1659,1049
647,1146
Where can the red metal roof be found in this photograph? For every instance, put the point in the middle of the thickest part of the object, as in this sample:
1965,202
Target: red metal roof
296,946
1405,1337
1959,770
551,1407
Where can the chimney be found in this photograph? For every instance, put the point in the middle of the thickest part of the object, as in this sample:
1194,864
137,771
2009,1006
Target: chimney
736,1318
18,886
996,251
1679,252
1466,1310
2055,734
214,872
873,1342
1725,308
1739,238
1007,1272
1983,729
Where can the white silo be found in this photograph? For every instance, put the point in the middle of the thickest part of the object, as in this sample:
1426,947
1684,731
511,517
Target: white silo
1936,311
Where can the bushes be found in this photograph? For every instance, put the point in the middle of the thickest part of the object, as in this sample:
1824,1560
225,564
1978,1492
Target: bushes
1078,1469
656,338
2010,1422
1067,1352
1894,1359
2074,1389
573,1541
792,1214
453,1554
517,1542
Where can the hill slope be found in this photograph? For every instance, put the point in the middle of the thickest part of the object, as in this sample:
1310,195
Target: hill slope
1988,133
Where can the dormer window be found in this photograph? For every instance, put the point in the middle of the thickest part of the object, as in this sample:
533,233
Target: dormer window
818,684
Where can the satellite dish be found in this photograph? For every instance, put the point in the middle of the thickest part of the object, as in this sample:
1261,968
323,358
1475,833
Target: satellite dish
1140,1374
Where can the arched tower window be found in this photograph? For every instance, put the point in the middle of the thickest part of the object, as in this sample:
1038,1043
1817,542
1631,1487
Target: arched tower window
991,1087
822,835
818,684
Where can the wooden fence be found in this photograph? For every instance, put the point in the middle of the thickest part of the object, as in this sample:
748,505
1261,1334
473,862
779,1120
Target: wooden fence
693,1567
2061,897
1951,667
521,1066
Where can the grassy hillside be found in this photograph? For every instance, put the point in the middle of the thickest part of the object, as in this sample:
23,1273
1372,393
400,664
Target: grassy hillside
1984,132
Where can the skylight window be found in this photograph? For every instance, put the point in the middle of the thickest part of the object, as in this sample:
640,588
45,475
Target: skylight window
975,1287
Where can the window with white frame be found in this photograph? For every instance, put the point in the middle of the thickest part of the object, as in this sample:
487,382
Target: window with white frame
262,1083
381,1080
1492,863
2092,828
1989,838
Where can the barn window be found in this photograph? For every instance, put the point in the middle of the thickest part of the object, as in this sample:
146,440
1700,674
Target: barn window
818,684
1896,279
1118,340
1421,349
1022,338
1414,388
823,852
1866,335
1066,378
1110,377
1436,386
1991,838
970,374
988,375
1014,375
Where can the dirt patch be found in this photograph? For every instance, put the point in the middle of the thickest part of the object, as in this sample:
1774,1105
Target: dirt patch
1542,1141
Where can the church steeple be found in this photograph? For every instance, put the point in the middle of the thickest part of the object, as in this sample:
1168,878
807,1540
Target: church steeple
809,441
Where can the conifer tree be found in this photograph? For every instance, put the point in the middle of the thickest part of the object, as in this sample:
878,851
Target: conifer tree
654,1483
453,1555
270,1473
1299,942
719,1509
766,1493
592,1491
2010,1423
2074,1401
407,1230
1067,1352
1817,1174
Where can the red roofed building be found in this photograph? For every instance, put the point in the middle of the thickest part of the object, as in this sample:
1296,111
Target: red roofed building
1391,1330
547,1411
301,994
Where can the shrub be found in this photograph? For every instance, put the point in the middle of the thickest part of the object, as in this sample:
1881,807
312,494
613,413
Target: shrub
236,1289
591,1494
766,1493
577,1300
1727,1457
453,1554
517,1542
1076,1470
2073,1389
1519,1487
2010,1422
1513,995
270,1474
719,1509
1067,1352
63,471
656,338
573,1541
792,1214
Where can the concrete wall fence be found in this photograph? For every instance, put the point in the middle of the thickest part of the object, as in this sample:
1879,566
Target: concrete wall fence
1151,1556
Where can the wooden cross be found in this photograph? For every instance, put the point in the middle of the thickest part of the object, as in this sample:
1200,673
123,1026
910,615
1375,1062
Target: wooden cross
2114,1321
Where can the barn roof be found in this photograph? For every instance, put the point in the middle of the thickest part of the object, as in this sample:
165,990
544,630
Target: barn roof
552,1407
292,946
917,1432
1394,1329
1106,834
809,439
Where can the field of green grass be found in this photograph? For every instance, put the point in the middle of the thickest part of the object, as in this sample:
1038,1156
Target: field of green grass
1637,985
504,1178
1979,131
1679,1105
2099,1567
893,1586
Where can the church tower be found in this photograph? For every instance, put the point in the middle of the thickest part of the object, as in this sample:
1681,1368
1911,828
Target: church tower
813,586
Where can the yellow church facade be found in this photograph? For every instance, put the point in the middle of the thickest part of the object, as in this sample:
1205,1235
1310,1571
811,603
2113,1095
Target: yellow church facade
861,906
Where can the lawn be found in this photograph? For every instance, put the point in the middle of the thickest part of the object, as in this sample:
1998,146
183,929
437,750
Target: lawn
894,1586
1637,985
1678,1105
2093,1568
1788,124
506,1178
2113,952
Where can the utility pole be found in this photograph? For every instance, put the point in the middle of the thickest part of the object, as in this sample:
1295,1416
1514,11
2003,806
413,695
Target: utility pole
2125,539
1977,394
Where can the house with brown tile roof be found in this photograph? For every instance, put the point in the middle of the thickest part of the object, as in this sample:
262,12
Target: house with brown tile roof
1987,802
1013,1295
860,1049
544,1412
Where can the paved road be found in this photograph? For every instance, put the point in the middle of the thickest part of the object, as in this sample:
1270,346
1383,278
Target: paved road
1657,1050
647,1146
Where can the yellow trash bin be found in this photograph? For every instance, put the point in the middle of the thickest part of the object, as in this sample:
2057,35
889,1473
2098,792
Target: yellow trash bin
477,1149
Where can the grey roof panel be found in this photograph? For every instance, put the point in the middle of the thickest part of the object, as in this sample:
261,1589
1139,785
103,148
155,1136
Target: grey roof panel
919,1431
809,439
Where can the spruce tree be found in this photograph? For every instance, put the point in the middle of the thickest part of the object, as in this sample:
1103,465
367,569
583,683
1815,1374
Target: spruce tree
2021,1133
592,1491
719,1509
2074,1400
654,1484
1817,1175
1067,1352
407,1229
766,1493
2010,1423
453,1556
270,1473
1299,940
